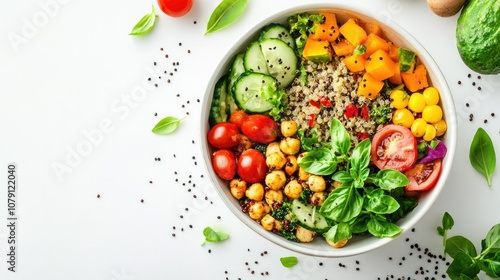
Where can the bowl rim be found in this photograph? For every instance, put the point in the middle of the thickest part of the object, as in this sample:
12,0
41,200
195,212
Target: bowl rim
437,79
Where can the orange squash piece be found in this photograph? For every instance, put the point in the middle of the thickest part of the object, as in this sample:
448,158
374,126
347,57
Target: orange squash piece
393,52
354,33
342,48
396,78
328,30
415,80
317,51
369,87
355,62
380,65
374,42
371,27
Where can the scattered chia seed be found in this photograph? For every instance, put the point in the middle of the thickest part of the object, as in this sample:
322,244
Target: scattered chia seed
469,75
98,196
474,83
180,44
156,114
467,105
154,63
478,88
194,22
492,114
142,200
459,82
485,120
161,49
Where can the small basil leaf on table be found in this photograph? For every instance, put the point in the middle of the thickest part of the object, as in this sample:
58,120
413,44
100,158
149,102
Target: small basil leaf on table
167,125
145,24
289,261
214,236
225,13
482,154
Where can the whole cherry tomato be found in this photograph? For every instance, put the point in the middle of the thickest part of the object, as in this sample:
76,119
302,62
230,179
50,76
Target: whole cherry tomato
260,128
224,135
224,164
252,166
175,8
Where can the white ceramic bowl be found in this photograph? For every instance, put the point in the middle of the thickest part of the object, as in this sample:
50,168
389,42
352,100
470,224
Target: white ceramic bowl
394,33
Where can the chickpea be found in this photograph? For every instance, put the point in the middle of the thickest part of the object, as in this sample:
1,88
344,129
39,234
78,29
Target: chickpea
244,144
338,244
303,175
268,222
301,156
276,179
291,165
257,210
304,235
288,128
290,146
273,196
277,225
238,188
255,192
317,199
293,189
275,161
316,183
273,147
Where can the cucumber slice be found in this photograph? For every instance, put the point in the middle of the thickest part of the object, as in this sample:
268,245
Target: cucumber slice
218,108
237,68
308,217
278,31
254,59
281,61
249,91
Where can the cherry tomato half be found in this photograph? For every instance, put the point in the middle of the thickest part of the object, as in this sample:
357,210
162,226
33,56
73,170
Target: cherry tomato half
224,135
423,176
252,166
238,117
394,147
224,164
175,8
260,128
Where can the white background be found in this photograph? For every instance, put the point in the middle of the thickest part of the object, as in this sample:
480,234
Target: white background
76,112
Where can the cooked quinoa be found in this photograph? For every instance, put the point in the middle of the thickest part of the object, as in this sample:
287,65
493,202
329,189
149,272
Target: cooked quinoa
334,81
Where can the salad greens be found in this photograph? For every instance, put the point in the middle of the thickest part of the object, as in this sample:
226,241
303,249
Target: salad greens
364,202
482,154
167,125
289,262
225,13
300,27
145,25
467,261
214,236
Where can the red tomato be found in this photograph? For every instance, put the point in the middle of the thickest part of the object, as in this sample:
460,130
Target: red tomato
252,166
224,164
260,128
175,8
237,118
224,135
394,147
423,176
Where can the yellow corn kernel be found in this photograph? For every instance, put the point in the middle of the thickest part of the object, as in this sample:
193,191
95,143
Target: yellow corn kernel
431,96
399,99
432,113
440,127
417,102
418,127
403,117
430,132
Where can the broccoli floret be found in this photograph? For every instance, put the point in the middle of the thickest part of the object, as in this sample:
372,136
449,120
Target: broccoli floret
381,114
300,27
280,212
288,231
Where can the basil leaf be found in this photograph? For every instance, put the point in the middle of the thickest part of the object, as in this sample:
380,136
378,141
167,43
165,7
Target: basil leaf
462,267
482,154
167,125
360,224
494,266
319,162
338,232
447,221
225,13
145,24
388,179
343,204
342,176
379,227
459,244
382,204
214,236
289,261
492,241
360,157
340,139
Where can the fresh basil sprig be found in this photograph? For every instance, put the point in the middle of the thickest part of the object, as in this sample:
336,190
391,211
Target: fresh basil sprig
289,262
467,261
145,24
214,236
167,125
482,154
225,13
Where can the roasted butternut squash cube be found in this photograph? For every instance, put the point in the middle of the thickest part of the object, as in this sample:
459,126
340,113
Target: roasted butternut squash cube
380,65
328,30
343,48
354,33
374,42
415,80
317,51
355,62
369,87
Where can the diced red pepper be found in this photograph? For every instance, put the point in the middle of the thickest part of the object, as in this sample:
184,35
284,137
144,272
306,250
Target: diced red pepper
351,111
362,135
364,113
325,101
314,103
312,118
355,76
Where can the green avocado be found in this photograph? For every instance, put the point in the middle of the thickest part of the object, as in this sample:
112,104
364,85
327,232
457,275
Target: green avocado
478,36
